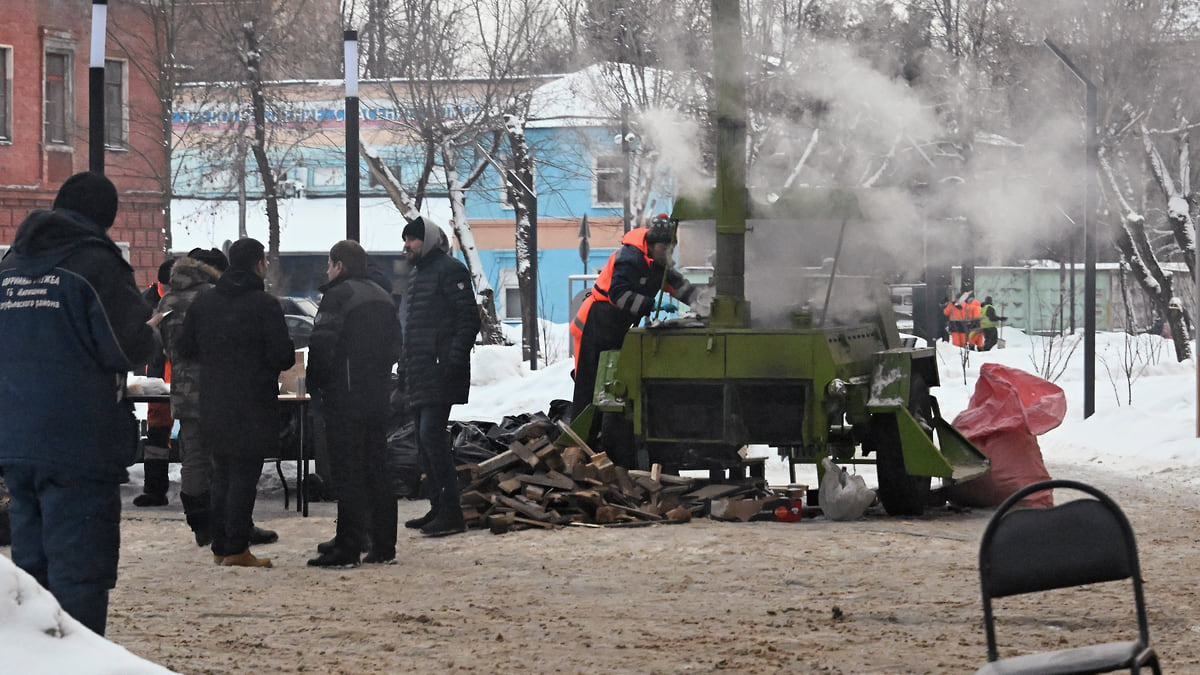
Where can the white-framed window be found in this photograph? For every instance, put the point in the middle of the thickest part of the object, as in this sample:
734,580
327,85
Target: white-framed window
6,78
58,93
116,105
510,295
394,168
609,184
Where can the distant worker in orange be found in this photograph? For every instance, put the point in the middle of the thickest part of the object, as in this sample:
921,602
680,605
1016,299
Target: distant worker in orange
956,312
974,331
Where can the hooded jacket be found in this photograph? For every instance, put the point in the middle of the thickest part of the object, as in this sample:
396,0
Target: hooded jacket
237,333
440,320
189,277
355,342
72,325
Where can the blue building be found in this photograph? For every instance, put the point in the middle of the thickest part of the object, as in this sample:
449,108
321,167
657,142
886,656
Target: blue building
580,171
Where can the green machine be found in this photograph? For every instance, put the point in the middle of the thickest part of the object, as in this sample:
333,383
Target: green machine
818,370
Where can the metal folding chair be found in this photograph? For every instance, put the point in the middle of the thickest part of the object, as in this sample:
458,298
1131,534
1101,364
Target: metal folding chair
1077,543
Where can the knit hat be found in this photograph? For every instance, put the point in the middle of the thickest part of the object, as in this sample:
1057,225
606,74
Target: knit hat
661,230
213,257
415,229
91,195
164,270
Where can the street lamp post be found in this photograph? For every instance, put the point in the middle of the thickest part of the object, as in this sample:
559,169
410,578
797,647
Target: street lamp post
352,172
96,87
1089,238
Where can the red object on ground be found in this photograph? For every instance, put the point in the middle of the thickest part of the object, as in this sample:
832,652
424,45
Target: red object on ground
791,513
1007,412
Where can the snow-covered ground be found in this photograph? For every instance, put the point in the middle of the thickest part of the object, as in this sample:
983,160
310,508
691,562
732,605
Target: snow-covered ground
1155,434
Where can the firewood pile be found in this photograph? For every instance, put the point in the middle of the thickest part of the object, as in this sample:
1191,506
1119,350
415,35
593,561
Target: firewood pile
538,484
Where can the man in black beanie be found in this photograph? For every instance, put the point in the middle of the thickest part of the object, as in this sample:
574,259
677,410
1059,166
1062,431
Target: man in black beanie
72,325
440,319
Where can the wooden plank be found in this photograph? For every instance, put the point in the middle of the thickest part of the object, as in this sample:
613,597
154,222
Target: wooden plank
496,464
525,507
533,523
550,479
566,429
665,478
525,454
714,491
510,485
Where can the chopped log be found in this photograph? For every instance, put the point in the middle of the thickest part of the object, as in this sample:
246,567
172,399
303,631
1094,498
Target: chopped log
637,513
606,514
499,523
552,457
655,472
680,514
534,493
510,485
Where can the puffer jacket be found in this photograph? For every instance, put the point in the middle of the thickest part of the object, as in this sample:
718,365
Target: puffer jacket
189,277
72,325
355,342
237,333
440,320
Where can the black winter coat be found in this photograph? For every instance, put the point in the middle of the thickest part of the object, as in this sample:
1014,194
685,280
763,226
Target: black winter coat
72,324
237,334
441,321
355,342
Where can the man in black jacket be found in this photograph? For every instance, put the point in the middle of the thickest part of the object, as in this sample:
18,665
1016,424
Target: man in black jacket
236,333
72,324
355,343
440,319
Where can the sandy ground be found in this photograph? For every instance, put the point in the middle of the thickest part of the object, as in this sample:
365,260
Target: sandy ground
878,595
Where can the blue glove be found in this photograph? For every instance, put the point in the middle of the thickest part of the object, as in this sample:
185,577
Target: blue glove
668,307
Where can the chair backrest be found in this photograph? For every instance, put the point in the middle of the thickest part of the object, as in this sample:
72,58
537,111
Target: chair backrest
1080,542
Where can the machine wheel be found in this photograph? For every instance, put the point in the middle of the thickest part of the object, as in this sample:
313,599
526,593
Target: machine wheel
900,493
617,441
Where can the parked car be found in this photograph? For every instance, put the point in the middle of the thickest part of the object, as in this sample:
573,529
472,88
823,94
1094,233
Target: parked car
300,328
298,305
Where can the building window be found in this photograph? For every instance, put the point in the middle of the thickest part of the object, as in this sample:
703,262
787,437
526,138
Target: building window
6,93
116,125
610,181
376,183
58,91
512,303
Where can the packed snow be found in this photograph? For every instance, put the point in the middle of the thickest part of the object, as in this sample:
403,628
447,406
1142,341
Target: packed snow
1156,435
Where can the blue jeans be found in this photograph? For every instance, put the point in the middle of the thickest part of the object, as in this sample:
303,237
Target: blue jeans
66,533
433,444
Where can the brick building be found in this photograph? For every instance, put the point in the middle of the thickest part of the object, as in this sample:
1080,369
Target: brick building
44,64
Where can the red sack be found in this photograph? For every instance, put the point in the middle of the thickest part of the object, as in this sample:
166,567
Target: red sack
1007,412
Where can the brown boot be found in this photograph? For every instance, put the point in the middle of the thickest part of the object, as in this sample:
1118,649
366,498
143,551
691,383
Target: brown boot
245,559
218,559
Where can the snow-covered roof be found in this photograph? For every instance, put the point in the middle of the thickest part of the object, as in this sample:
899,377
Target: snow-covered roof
305,225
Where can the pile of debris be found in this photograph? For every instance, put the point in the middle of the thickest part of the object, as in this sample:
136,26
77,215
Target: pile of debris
536,483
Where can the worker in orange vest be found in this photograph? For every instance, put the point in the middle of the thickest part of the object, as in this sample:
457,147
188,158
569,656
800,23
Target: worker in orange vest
956,312
624,293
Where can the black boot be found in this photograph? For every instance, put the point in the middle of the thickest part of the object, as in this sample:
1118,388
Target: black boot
195,510
154,490
449,520
259,536
418,523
